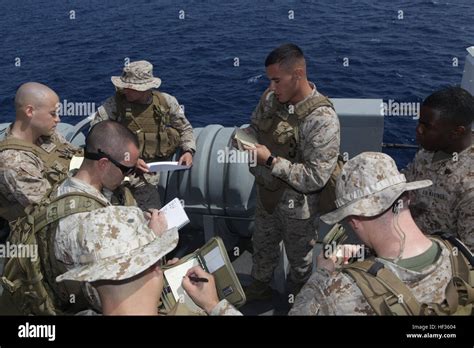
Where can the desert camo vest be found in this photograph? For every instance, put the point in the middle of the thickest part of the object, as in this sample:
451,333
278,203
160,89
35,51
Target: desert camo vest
55,156
278,131
152,124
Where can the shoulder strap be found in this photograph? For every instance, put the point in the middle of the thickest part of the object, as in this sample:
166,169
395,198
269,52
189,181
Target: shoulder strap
384,291
160,98
312,104
63,206
161,108
21,145
460,290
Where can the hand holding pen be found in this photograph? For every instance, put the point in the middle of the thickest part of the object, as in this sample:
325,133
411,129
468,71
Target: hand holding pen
201,287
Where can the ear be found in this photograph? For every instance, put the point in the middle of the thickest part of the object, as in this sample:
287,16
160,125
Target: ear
354,222
29,111
459,131
298,73
102,163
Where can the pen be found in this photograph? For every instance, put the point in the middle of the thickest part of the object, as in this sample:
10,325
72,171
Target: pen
198,279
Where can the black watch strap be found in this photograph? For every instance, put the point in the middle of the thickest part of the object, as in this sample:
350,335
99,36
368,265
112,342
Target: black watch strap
269,161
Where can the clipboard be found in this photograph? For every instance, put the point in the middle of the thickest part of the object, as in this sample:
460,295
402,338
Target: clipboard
213,258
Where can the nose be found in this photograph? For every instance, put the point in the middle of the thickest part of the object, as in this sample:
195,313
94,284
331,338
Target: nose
272,86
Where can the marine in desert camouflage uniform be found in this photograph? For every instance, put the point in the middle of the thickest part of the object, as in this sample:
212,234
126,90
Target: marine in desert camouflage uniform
158,120
447,159
298,134
119,255
367,190
94,175
33,156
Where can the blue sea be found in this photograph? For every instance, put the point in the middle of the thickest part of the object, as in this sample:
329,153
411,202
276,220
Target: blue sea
399,50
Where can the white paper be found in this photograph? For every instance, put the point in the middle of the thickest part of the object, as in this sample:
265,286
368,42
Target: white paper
75,162
244,138
165,166
174,276
175,214
214,260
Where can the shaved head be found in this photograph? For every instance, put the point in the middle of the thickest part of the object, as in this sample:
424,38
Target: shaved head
36,107
34,94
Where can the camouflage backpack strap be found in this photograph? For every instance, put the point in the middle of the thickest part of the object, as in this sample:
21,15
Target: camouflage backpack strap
29,282
459,292
65,205
384,291
46,224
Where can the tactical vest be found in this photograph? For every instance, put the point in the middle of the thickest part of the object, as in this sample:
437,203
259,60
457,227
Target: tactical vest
152,124
388,295
55,156
29,284
278,131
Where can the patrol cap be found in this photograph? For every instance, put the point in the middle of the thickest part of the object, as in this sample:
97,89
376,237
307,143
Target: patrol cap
115,243
138,76
368,185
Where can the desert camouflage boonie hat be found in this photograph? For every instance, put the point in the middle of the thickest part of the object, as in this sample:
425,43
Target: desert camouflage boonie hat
368,185
115,243
138,76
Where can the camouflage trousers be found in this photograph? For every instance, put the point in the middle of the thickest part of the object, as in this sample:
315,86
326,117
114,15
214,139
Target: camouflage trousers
145,191
298,236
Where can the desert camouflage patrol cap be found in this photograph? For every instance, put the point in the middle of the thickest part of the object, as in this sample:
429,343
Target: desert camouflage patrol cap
115,243
138,76
368,185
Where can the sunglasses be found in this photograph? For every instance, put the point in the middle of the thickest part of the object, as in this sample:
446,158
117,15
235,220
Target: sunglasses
126,171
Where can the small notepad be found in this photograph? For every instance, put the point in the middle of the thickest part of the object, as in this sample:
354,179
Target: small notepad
174,276
165,166
244,138
175,214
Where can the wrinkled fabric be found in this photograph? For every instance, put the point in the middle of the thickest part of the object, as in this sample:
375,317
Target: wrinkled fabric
294,218
298,236
448,205
66,245
368,185
224,308
338,294
22,178
108,110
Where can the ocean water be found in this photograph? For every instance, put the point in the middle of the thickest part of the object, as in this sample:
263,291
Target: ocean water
399,50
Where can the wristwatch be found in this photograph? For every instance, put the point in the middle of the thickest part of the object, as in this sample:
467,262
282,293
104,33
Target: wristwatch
269,161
